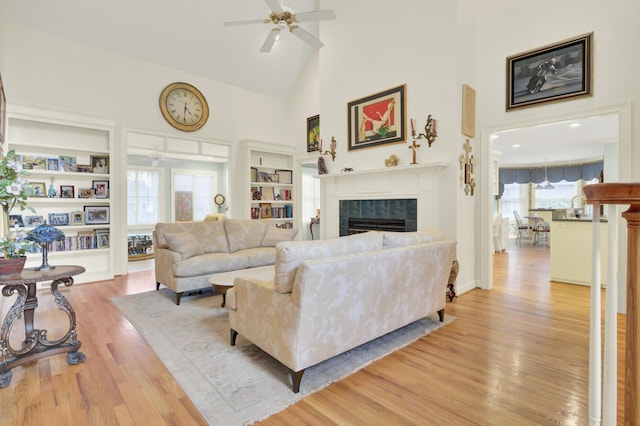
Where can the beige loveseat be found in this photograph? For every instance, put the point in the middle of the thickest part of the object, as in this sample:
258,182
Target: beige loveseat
187,254
329,296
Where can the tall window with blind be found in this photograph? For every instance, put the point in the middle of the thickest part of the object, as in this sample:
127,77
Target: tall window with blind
193,193
143,197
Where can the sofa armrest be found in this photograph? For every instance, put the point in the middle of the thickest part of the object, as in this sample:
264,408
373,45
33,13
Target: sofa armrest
164,261
265,317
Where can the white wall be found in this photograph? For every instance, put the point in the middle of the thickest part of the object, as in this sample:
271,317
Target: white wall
54,72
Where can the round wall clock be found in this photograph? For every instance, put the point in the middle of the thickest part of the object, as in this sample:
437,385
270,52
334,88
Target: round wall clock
219,199
184,107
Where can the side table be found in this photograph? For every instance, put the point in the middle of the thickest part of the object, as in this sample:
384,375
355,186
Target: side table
35,344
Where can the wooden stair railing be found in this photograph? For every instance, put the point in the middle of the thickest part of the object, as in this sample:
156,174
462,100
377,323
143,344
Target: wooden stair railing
615,194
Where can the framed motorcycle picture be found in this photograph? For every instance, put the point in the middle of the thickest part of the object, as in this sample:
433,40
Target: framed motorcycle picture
559,71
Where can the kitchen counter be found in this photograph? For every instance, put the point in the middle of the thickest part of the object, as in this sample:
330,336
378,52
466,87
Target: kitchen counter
581,219
570,250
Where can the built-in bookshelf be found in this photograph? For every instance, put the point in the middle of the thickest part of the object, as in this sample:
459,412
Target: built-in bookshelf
67,158
270,190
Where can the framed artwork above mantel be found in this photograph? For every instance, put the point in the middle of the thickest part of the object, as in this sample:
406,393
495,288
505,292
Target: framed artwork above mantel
377,119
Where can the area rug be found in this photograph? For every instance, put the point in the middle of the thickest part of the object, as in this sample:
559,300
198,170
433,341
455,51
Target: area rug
237,385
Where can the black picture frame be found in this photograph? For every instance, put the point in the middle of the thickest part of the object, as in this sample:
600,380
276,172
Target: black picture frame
96,215
313,133
16,220
556,72
67,191
378,119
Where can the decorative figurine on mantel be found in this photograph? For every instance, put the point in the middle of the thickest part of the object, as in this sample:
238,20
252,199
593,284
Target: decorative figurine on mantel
392,161
413,147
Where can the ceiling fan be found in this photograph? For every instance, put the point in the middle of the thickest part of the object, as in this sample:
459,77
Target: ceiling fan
284,18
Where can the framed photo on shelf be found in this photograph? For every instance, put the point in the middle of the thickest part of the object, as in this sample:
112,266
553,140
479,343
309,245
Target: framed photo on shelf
102,239
67,191
53,164
34,162
100,188
313,133
77,218
377,119
68,163
39,189
96,215
58,219
265,211
285,176
34,220
15,220
86,192
84,168
99,163
554,72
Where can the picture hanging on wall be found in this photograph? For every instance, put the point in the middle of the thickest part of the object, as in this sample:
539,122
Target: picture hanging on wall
377,119
313,133
555,72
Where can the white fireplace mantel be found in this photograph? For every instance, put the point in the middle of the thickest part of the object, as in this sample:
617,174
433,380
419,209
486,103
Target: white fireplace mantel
419,181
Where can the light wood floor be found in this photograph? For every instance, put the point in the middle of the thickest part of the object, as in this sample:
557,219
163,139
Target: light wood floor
516,355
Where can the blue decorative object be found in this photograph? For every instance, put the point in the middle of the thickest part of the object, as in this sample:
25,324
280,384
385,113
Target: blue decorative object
43,235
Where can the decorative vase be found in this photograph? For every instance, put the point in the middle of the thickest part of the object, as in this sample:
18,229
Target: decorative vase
12,266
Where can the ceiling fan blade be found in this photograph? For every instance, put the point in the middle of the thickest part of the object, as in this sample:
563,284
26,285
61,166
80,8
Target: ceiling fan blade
317,15
246,21
306,37
271,39
274,5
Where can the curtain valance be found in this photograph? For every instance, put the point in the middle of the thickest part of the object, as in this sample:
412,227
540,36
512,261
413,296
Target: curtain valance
556,173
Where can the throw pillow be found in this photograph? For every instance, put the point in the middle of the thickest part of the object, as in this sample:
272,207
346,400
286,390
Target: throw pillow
184,243
276,235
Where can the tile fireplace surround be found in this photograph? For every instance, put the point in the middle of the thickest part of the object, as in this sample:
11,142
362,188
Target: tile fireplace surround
421,182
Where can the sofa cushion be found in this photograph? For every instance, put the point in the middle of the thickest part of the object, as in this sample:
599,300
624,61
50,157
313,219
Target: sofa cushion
275,235
290,254
211,235
259,256
399,239
184,243
209,263
245,233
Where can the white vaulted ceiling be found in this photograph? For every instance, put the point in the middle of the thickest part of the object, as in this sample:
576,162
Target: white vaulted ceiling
182,34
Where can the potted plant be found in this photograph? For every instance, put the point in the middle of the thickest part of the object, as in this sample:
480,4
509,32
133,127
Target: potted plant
14,191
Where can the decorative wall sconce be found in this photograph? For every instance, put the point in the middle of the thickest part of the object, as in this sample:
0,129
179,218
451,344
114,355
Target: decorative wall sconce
333,146
467,164
430,130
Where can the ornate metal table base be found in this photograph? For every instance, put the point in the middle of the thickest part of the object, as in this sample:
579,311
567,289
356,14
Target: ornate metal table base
36,345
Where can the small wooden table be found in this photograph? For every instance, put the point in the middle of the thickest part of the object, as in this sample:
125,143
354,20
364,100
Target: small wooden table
35,344
224,281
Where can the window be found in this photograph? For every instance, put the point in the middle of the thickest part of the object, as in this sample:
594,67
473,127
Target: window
193,193
143,196
558,197
512,199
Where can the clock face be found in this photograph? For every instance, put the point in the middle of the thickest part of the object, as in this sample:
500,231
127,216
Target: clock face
219,199
184,107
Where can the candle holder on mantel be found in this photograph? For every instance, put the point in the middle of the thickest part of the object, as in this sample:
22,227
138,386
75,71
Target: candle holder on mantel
430,130
333,146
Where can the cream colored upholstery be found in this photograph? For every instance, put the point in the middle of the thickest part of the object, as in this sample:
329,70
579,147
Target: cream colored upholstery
187,254
347,292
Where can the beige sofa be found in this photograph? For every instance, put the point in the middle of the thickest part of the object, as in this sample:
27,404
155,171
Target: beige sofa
187,254
329,296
